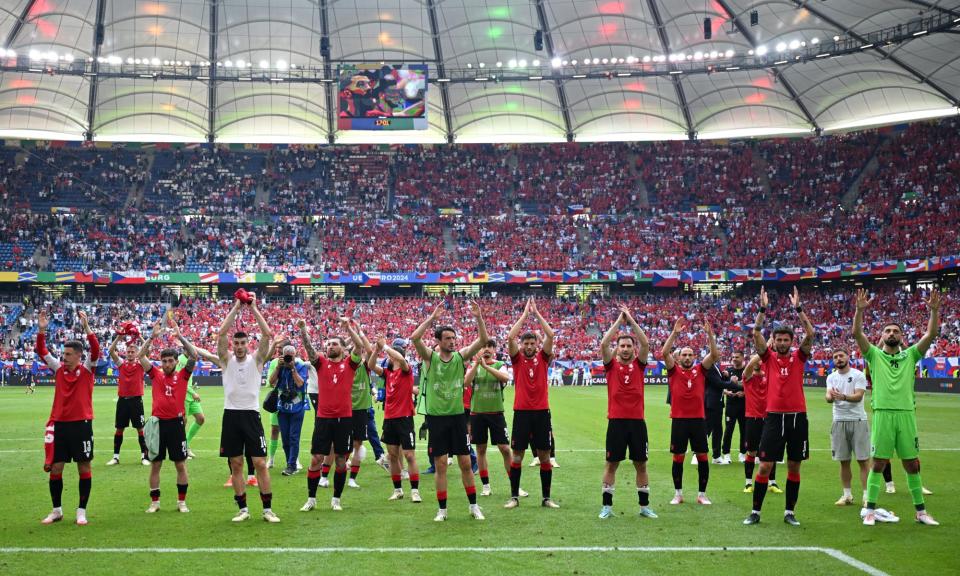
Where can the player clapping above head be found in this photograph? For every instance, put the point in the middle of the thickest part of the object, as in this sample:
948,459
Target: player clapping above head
687,382
398,432
169,389
625,368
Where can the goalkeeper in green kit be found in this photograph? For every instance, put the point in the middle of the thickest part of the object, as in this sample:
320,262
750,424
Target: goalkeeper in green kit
894,372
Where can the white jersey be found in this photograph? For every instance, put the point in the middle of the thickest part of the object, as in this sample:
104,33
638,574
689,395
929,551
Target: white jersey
313,381
848,384
241,384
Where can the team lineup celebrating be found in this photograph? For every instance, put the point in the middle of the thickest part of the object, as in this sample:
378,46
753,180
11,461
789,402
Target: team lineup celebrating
460,391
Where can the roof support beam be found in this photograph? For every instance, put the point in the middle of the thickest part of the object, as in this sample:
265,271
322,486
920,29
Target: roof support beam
327,71
934,6
548,44
212,74
18,25
441,69
665,43
883,53
777,73
94,77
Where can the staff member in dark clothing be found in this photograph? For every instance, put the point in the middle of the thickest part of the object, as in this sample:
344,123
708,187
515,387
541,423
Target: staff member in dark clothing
736,408
713,405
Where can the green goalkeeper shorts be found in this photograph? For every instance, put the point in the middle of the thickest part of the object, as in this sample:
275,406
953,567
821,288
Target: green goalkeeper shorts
894,430
191,407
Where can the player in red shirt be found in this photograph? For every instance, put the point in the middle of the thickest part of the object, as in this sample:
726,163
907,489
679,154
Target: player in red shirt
755,391
531,409
687,384
129,398
169,391
398,432
72,414
785,425
626,427
334,424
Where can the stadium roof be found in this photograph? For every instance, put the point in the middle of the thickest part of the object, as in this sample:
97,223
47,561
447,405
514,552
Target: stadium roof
878,84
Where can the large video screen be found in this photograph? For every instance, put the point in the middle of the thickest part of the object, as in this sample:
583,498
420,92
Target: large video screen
382,97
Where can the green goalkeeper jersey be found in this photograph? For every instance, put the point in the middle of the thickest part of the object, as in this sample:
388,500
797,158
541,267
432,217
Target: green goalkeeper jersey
893,377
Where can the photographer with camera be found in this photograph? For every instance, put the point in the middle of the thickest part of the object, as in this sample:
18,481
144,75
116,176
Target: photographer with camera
290,378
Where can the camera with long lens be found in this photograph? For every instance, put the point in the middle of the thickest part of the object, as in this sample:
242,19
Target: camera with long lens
288,358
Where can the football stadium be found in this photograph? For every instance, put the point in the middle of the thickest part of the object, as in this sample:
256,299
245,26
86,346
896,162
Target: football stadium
479,286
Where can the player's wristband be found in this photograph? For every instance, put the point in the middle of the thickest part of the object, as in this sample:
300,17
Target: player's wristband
763,309
799,309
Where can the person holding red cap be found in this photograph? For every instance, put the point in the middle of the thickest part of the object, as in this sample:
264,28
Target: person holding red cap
129,392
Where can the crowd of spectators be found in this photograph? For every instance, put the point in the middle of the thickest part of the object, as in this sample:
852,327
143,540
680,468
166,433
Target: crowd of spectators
490,207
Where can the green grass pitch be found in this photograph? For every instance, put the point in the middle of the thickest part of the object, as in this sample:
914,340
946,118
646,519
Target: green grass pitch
381,535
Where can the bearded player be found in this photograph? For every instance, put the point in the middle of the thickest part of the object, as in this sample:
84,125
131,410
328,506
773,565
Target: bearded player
626,427
531,407
893,371
785,426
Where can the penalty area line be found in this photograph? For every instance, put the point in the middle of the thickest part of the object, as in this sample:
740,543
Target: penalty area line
831,552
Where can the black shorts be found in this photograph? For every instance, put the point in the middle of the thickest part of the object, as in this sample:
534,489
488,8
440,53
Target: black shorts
753,430
173,441
333,433
623,433
684,430
241,433
785,430
489,423
399,432
359,422
129,412
531,428
314,396
448,435
73,441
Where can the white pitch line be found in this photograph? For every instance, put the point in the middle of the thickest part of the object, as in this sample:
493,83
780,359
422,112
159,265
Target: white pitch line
832,552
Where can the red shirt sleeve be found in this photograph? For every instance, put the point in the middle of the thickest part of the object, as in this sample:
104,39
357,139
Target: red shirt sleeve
154,374
94,347
765,355
802,356
42,344
546,357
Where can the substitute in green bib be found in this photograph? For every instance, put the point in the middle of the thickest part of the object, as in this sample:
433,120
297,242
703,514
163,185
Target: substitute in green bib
362,398
443,399
893,371
487,378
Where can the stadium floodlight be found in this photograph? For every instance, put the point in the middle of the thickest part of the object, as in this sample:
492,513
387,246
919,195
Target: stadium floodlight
469,66
34,54
155,61
714,54
781,46
604,61
574,62
264,64
836,38
186,62
564,63
499,64
761,50
556,62
646,59
512,63
698,55
814,40
483,64
536,63
596,60
228,63
68,57
166,62
281,64
114,60
522,63
129,60
729,53
794,44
